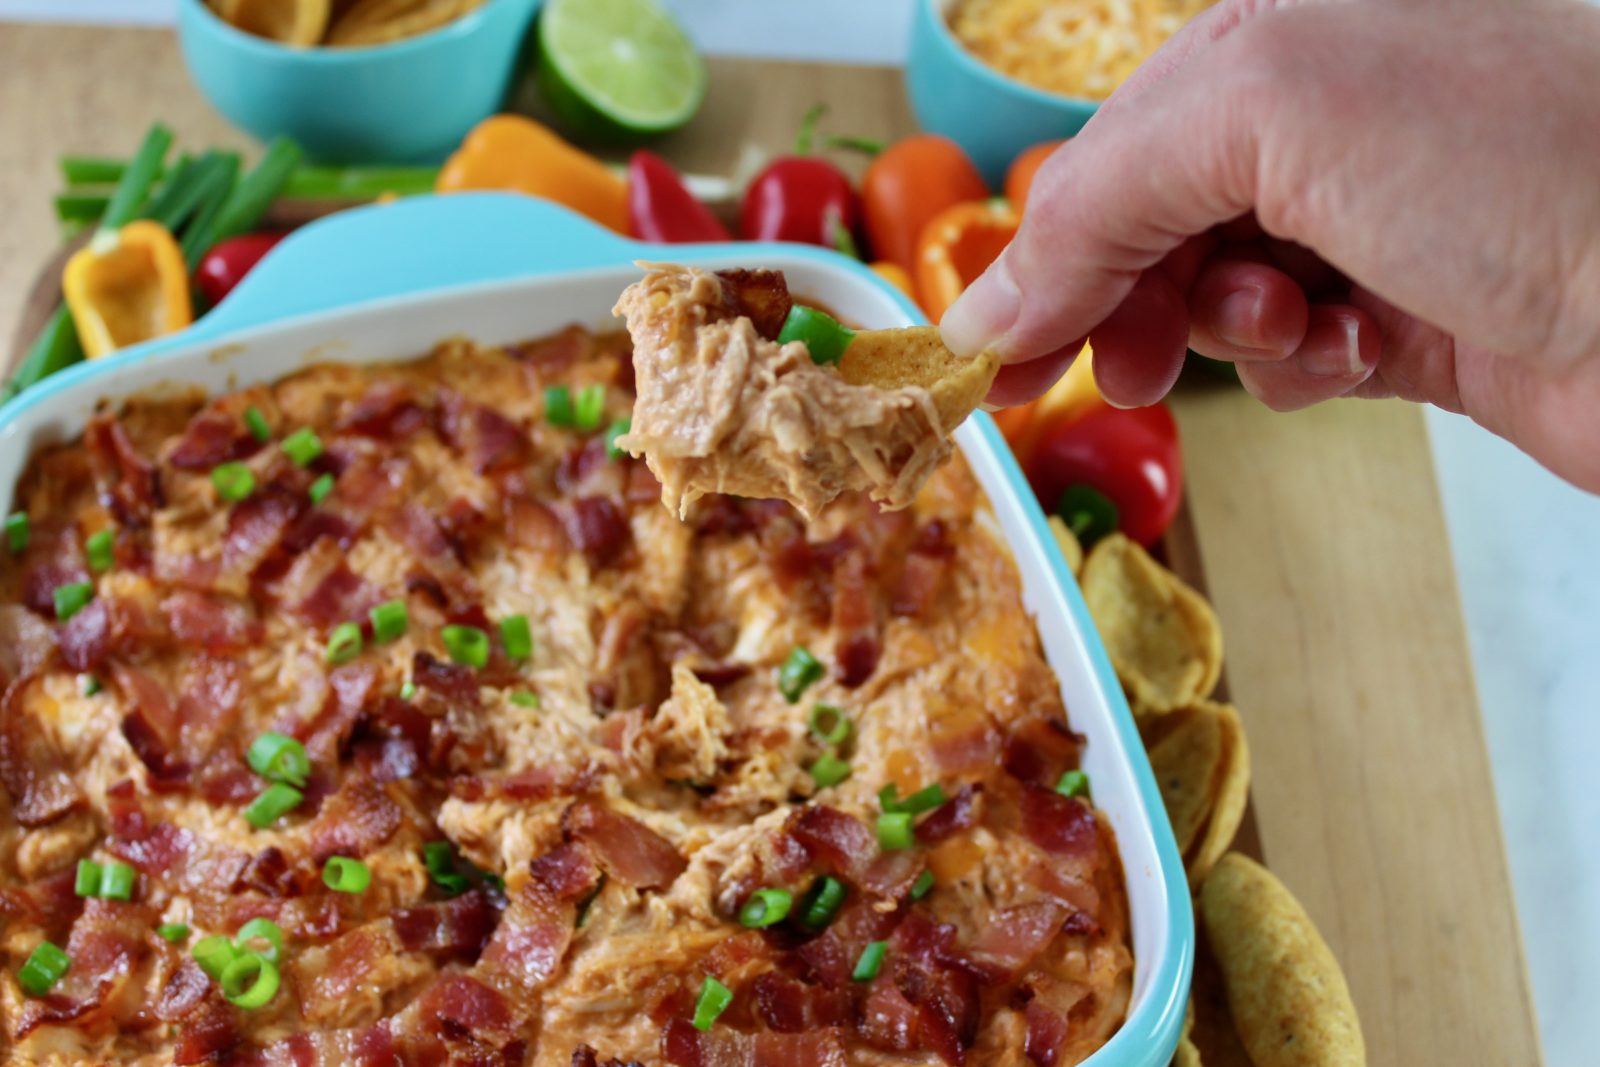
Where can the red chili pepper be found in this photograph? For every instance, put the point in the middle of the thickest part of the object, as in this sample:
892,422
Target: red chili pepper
662,209
229,261
801,198
1130,456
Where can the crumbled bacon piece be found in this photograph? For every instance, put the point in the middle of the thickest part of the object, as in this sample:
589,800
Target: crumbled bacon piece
26,642
960,812
388,411
32,769
762,296
1059,824
926,565
791,1006
213,437
354,821
457,684
459,927
684,1046
847,847
256,526
53,559
599,530
210,621
629,850
1047,1034
129,483
1039,749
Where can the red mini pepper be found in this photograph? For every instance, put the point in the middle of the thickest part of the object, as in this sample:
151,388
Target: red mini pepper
1132,457
661,208
801,198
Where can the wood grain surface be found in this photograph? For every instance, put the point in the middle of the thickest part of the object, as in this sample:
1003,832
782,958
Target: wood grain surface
1321,534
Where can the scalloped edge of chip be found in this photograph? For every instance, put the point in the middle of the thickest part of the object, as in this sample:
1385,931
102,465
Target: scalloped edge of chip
916,356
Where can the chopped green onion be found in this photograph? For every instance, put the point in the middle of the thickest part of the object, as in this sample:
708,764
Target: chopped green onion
829,770
871,960
766,907
524,699
439,857
200,232
558,405
72,598
249,982
714,1000
134,185
346,875
517,636
87,883
894,831
234,481
56,348
258,930
823,903
344,643
250,199
99,550
257,424
824,337
302,446
797,673
1073,784
389,621
590,407
467,645
91,685
320,488
17,532
116,881
214,953
190,184
173,932
829,724
45,967
922,800
1088,513
922,886
357,183
279,758
273,803
408,689
614,431
91,170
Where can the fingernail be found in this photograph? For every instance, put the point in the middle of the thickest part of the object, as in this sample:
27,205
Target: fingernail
1238,318
981,316
1332,348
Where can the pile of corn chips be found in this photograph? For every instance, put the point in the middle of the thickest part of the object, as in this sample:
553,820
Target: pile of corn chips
340,23
1267,989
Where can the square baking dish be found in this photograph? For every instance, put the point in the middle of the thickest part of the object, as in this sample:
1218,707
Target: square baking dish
387,282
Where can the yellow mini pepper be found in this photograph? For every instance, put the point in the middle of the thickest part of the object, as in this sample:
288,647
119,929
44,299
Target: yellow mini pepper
518,155
127,286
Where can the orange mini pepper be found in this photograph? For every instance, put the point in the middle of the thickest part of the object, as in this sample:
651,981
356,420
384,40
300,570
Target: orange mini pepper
127,286
907,184
956,246
518,155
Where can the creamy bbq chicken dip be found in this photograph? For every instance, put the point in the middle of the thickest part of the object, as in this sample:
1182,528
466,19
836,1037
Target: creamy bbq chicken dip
555,778
724,408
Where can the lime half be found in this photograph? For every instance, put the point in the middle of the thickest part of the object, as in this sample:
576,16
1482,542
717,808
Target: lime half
618,68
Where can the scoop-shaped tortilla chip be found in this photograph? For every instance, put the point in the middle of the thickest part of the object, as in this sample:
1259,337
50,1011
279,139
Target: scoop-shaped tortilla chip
299,23
1186,1055
1288,997
916,356
1202,766
1162,636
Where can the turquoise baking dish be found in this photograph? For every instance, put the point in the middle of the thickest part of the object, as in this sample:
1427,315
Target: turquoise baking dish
387,282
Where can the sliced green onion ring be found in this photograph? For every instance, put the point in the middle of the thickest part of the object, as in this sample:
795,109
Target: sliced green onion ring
173,932
274,802
614,431
467,645
389,621
233,481
279,758
1073,784
116,881
257,424
823,903
302,446
871,960
100,550
345,875
249,981
590,407
258,930
558,405
72,598
798,673
766,907
344,643
524,699
214,953
894,831
829,724
17,532
829,770
46,965
87,882
714,1000
516,636
922,886
320,488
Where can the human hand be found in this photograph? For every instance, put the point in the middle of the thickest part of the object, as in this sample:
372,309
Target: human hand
1345,198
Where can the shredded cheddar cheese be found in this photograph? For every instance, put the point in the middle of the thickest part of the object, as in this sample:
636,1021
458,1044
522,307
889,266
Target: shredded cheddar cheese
1072,47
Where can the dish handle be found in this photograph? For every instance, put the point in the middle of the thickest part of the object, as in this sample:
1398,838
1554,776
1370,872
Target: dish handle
411,245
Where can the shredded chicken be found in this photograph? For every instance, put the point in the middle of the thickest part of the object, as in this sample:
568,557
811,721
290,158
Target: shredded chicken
723,409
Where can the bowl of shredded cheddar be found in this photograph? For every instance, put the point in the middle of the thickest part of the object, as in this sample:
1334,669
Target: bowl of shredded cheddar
1000,75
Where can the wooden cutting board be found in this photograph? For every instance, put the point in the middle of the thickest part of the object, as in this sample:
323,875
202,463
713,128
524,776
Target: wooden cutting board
1320,533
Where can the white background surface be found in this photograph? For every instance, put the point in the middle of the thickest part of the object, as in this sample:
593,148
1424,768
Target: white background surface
1526,549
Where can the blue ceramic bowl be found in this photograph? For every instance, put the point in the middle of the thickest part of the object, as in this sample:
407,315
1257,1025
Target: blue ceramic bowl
990,115
407,102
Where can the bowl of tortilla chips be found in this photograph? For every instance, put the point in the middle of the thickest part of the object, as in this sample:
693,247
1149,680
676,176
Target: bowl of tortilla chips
372,81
